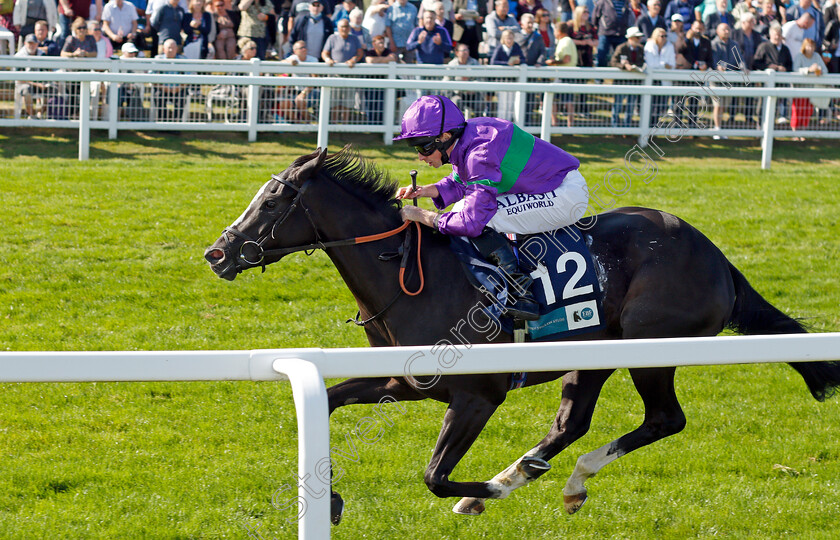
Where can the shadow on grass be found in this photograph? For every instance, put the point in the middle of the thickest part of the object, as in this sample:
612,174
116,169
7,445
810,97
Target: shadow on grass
63,144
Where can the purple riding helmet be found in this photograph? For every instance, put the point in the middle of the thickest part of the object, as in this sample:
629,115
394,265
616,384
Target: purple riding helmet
426,120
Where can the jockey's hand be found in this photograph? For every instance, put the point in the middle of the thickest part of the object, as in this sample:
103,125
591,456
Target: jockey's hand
415,213
422,191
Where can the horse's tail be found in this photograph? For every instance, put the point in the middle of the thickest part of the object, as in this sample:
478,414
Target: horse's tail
752,315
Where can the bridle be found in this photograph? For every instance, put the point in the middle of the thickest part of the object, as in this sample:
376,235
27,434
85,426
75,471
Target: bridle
261,253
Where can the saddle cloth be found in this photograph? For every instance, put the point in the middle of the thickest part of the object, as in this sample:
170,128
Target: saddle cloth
565,283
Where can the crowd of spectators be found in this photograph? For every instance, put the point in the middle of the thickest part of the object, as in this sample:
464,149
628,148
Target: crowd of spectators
780,35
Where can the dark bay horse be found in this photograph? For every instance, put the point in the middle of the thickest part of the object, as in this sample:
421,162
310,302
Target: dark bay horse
661,278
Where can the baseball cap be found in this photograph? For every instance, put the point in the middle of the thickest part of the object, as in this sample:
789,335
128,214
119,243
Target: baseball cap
30,38
129,48
677,17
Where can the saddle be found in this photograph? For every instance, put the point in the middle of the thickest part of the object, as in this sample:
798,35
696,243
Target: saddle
565,282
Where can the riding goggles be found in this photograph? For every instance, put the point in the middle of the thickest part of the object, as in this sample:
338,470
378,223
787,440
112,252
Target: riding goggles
428,148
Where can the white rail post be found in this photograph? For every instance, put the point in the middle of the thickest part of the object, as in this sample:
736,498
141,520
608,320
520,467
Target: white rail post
547,115
324,117
521,99
84,119
254,91
389,106
312,411
769,125
113,104
644,113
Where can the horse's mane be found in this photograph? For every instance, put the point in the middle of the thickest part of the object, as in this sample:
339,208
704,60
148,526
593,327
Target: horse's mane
351,170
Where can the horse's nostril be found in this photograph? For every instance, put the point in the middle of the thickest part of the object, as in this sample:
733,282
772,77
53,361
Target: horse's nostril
214,255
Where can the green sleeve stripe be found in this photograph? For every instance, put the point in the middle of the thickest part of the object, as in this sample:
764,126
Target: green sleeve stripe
516,157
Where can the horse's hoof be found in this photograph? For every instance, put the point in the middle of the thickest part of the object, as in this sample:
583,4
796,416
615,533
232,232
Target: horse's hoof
574,502
469,506
533,467
336,508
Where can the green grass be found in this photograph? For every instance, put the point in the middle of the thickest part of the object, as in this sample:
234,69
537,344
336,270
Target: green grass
107,255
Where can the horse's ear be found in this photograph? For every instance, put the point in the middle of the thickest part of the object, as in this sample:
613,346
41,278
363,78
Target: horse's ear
307,166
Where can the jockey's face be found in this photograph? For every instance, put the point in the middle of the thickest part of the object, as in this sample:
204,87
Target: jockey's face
433,160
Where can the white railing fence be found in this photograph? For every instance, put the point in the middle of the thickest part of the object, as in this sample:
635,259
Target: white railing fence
307,368
255,97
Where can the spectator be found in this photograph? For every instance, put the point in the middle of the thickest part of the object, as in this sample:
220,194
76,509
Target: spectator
816,30
472,103
375,20
676,34
796,31
714,18
469,18
26,13
565,55
527,6
374,104
119,22
70,10
299,6
808,62
685,8
612,20
508,53
225,43
741,7
164,94
342,11
255,14
566,9
831,42
29,90
47,46
429,5
441,19
726,56
247,49
400,22
653,19
585,37
747,38
129,95
773,54
313,28
104,47
343,48
168,21
431,41
152,8
637,10
546,31
496,22
698,48
766,17
703,8
530,42
295,108
197,27
628,56
659,54
356,28
80,44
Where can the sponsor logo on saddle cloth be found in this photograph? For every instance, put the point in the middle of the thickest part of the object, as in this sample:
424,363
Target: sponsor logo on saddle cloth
565,284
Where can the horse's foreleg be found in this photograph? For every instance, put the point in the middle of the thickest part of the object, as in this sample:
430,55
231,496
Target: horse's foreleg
580,393
379,390
663,417
465,417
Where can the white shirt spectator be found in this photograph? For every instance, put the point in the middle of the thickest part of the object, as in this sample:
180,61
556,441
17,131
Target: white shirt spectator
793,35
374,20
120,18
656,58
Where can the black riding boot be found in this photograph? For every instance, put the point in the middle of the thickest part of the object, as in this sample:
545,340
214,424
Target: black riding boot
494,246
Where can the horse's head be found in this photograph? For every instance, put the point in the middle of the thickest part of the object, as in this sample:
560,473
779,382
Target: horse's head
275,219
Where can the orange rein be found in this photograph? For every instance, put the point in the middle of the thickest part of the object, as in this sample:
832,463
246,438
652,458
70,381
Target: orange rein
380,236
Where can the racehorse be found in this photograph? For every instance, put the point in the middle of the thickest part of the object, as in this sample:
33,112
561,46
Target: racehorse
660,276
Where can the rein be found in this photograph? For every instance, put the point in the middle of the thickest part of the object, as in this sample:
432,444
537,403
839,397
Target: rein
259,258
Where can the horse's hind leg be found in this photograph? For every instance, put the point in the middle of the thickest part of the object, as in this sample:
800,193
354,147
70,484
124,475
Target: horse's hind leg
580,394
663,417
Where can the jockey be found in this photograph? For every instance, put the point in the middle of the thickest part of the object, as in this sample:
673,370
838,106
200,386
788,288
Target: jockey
495,165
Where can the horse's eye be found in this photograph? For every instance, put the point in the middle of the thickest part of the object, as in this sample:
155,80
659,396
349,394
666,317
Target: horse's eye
270,204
